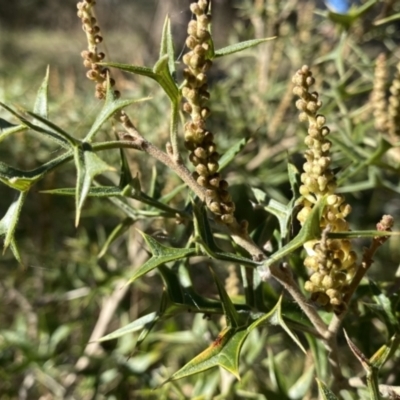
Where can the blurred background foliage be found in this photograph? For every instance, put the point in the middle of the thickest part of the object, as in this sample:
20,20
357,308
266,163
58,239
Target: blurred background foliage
50,307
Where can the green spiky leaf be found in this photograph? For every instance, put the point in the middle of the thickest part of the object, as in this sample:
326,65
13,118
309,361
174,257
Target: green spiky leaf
9,223
309,231
325,392
8,129
41,106
205,238
231,315
134,326
111,106
49,134
88,165
167,45
225,350
235,48
232,152
160,255
118,231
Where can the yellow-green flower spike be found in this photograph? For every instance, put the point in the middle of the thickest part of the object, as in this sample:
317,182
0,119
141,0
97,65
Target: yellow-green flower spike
332,261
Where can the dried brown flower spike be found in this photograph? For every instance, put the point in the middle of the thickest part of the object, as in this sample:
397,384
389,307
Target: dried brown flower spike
91,56
198,140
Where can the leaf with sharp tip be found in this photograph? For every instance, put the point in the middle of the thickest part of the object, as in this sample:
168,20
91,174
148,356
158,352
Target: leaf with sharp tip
41,106
309,231
385,352
9,223
282,212
133,69
134,326
119,230
7,129
224,352
232,152
360,234
160,255
111,106
275,317
15,178
325,392
231,315
165,79
88,165
99,191
54,128
55,136
167,45
205,238
24,180
234,48
125,174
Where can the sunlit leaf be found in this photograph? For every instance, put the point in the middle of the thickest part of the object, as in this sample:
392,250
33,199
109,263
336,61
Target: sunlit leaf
133,69
41,106
385,352
9,222
167,45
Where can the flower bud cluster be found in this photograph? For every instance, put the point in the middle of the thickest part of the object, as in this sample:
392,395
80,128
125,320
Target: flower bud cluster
332,261
394,105
378,96
92,56
198,140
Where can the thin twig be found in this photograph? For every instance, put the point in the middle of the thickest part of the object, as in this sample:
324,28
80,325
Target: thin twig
132,138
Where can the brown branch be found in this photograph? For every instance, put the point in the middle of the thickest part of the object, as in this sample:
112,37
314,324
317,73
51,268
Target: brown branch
135,140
